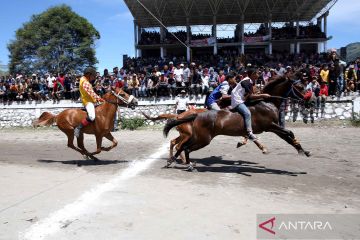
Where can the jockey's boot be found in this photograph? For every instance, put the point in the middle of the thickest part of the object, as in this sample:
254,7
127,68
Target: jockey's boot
83,123
252,136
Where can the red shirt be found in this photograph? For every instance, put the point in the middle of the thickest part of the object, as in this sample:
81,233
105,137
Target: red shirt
324,90
62,80
119,84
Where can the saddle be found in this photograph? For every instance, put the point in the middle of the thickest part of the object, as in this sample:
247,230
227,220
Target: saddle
84,109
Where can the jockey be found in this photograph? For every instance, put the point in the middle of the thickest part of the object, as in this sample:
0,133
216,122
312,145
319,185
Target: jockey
88,98
219,92
242,92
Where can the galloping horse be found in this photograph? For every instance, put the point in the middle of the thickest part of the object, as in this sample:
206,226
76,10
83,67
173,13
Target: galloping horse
185,130
208,125
68,119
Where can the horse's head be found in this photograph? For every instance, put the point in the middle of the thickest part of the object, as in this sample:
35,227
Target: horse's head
298,89
286,86
124,99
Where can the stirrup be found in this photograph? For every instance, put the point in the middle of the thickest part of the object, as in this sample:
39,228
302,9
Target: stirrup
77,131
252,136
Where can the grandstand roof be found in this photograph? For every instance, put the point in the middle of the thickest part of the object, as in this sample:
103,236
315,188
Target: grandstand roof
201,12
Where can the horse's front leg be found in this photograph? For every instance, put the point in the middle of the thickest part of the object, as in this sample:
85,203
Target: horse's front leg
111,138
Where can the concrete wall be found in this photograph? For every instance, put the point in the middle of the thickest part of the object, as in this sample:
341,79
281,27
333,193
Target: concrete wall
22,114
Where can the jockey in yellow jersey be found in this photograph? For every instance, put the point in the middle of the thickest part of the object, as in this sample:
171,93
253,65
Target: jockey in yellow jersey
88,98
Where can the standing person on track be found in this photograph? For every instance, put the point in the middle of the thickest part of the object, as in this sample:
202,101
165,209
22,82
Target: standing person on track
88,98
182,103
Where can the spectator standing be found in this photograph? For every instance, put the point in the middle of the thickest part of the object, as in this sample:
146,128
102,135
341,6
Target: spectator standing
179,76
280,70
182,103
350,79
266,75
323,94
324,74
205,77
172,84
162,87
58,90
332,80
195,82
50,82
186,74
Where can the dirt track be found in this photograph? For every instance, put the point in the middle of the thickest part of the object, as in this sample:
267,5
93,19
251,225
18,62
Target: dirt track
39,176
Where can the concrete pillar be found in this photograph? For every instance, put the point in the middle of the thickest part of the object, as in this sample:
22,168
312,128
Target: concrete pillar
318,22
188,54
162,52
162,34
138,53
136,37
325,23
270,36
188,31
242,51
297,28
319,49
214,28
325,46
188,40
297,48
292,48
241,35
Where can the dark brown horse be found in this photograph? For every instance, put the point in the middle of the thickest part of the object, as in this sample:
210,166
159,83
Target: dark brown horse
67,120
185,130
210,124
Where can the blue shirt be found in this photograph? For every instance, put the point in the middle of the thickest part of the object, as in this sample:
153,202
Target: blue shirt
223,88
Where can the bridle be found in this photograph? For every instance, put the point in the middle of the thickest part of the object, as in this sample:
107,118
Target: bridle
294,92
122,99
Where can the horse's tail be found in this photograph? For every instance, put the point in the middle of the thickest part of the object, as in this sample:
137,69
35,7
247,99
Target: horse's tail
46,119
160,117
175,122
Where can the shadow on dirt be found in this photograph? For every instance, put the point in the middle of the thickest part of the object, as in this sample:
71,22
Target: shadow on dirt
217,164
84,162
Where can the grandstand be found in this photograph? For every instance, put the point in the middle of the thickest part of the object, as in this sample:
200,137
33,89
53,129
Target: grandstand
266,26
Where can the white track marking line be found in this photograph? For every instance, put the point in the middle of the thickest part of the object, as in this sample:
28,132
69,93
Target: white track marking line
68,213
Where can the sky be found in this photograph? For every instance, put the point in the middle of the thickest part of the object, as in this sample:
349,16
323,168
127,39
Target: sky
115,23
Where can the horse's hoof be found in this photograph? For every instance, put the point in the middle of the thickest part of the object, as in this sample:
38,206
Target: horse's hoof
307,153
190,169
265,151
78,163
239,145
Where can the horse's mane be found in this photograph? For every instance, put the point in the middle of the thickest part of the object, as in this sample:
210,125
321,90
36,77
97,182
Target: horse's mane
274,83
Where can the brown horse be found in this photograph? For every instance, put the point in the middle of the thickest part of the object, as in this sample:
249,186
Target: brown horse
185,130
210,124
68,119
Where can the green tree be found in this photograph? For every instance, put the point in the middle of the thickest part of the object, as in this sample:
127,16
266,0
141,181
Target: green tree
57,40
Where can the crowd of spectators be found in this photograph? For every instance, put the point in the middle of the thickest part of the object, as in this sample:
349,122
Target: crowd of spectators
278,33
152,77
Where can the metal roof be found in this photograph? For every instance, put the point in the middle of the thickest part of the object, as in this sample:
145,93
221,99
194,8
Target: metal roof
201,12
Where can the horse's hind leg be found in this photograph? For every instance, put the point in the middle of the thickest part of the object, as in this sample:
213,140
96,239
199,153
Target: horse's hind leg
98,145
244,142
260,146
70,135
289,137
173,143
80,144
111,138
